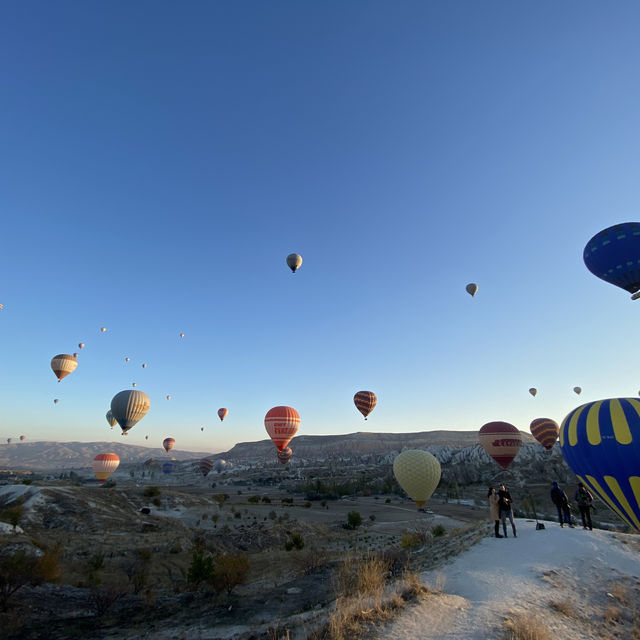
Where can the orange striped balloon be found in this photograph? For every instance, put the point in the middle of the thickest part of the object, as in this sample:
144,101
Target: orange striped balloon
365,401
282,424
104,464
545,431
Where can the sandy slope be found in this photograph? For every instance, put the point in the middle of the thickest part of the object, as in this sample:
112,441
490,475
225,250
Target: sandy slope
498,577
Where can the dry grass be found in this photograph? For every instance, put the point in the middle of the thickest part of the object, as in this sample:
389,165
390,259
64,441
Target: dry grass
565,607
525,626
620,591
612,613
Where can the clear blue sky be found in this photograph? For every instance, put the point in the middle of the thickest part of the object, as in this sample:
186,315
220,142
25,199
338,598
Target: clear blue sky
160,160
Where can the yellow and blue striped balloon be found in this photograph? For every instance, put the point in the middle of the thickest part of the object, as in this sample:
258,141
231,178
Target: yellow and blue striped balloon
600,441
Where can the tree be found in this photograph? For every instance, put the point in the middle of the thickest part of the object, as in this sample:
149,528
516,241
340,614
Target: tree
354,519
13,515
201,568
229,571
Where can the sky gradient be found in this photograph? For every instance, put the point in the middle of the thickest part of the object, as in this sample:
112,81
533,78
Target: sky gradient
160,160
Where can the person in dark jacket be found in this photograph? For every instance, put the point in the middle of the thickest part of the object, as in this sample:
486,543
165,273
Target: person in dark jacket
494,510
585,504
559,498
505,502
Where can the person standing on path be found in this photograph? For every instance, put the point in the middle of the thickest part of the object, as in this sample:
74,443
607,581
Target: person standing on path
505,502
559,498
494,510
585,504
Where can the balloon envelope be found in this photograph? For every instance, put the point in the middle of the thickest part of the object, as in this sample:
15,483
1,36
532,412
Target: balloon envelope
219,465
501,441
600,441
205,465
129,407
418,473
613,255
81,345
223,413
294,261
104,464
545,431
63,364
577,390
365,402
22,438
472,288
167,467
168,444
533,391
281,424
110,419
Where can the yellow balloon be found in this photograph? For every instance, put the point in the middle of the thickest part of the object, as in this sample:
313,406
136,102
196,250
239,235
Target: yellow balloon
418,473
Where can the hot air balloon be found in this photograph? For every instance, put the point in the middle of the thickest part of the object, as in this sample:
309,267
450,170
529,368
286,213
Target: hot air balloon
219,465
127,359
129,407
223,413
104,464
168,444
205,466
103,329
22,438
75,355
167,467
63,364
472,289
168,397
577,390
600,441
8,440
285,455
613,255
182,335
81,345
201,428
144,365
294,261
1,306
110,419
545,431
501,441
281,424
146,437
56,400
418,473
533,391
365,401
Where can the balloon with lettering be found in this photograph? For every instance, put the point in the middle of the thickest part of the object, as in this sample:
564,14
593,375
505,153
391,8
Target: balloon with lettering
501,441
545,431
600,441
418,473
281,424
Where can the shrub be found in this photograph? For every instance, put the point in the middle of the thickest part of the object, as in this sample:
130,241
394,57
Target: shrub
438,531
272,515
287,500
237,515
266,499
387,501
526,626
294,542
151,492
156,502
410,539
12,515
254,499
201,567
354,520
372,517
137,571
307,505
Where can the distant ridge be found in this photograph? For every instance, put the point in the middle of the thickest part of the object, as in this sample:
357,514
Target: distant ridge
42,456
